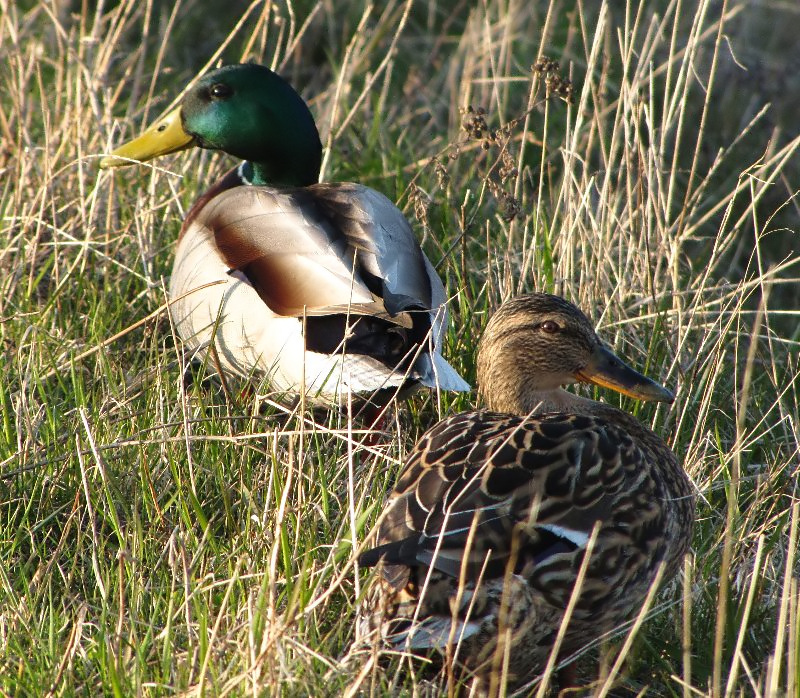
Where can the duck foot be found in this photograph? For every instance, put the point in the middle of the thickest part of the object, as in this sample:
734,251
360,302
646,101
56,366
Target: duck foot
568,680
376,421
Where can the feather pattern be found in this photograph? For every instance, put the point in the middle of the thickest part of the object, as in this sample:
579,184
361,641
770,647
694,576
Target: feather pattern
493,512
338,260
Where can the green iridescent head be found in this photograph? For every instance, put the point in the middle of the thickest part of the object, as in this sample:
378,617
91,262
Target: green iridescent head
246,111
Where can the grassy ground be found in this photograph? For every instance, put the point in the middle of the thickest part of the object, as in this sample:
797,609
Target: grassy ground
158,538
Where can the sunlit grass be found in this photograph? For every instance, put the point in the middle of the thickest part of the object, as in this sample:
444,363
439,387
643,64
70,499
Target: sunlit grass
161,537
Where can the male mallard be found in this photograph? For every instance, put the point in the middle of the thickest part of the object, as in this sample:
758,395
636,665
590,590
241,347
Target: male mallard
506,500
322,287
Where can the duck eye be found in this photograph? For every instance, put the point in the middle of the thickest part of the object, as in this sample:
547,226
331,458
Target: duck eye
220,91
549,326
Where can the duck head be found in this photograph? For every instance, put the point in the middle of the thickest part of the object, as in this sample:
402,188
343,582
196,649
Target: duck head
537,343
244,110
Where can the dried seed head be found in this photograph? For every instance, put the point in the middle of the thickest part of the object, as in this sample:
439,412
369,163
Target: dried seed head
555,83
474,122
421,202
441,173
510,207
544,65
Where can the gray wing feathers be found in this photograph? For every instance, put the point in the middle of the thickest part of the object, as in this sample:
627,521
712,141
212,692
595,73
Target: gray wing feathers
409,279
331,248
373,224
313,235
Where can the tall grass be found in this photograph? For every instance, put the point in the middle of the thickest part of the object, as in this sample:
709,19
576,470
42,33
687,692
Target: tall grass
159,536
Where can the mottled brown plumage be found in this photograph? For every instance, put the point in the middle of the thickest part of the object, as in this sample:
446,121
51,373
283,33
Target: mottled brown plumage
489,523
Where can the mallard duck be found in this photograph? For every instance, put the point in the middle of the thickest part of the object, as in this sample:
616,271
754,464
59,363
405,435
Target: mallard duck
505,500
321,287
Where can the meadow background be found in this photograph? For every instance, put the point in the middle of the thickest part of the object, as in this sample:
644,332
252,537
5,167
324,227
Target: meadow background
161,536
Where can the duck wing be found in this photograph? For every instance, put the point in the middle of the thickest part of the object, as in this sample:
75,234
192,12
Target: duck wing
394,268
385,246
344,257
483,491
321,249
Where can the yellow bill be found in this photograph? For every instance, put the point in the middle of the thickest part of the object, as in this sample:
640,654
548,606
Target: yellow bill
607,370
165,136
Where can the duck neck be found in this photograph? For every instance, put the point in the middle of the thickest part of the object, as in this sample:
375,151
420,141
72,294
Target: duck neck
525,402
289,172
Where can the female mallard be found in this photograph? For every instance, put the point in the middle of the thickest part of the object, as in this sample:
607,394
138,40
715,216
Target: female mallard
507,501
322,287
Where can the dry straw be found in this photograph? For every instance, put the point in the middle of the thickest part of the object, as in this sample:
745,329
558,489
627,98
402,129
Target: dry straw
161,538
